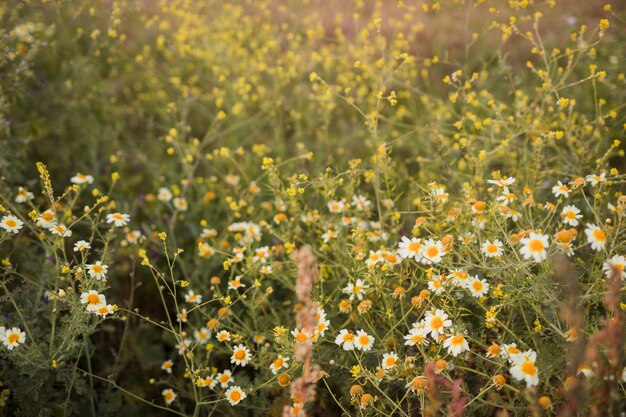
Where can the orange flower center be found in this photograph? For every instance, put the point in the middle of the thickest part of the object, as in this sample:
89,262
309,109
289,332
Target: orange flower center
457,340
414,247
529,368
10,223
348,337
493,248
432,251
279,362
536,245
240,354
13,337
436,323
301,337
364,340
477,285
235,395
93,298
599,235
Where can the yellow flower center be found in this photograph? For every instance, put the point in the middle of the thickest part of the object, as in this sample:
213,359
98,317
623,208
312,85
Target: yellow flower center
11,223
301,337
493,248
279,362
93,299
477,286
390,361
13,338
240,354
348,337
364,340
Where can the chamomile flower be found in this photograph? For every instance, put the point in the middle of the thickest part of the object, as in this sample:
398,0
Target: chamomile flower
167,366
524,368
118,219
561,190
225,377
336,206
509,350
328,235
433,252
389,360
460,278
241,355
61,230
164,194
456,344
363,341
104,310
180,204
205,250
81,246
360,202
182,316
439,195
223,336
492,249
503,182
47,219
23,195
192,297
97,270
436,284
301,336
183,345
235,395
417,335
410,248
356,290
262,254
615,265
133,236
596,179
321,327
279,362
535,247
236,283
93,300
346,339
436,322
374,258
571,215
11,338
202,335
478,287
596,237
81,179
168,395
208,381
11,223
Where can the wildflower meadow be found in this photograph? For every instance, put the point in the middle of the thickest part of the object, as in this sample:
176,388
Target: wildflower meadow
312,208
